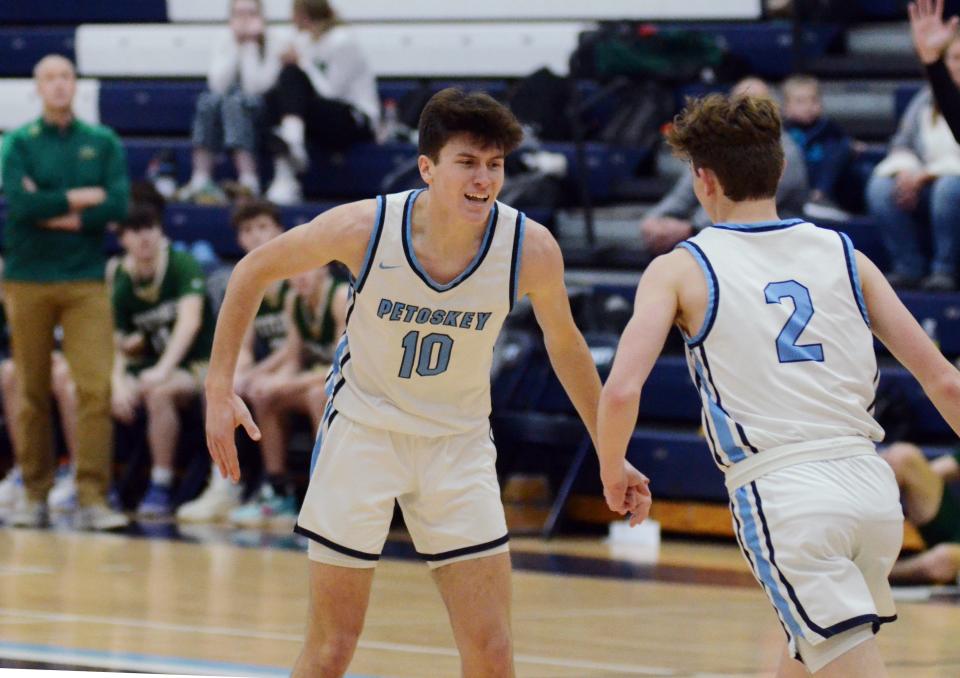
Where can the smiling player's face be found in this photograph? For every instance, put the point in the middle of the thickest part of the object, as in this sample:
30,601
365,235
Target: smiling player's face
466,178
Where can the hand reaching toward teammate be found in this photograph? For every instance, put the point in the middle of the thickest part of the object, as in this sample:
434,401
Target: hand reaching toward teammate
224,414
627,491
931,34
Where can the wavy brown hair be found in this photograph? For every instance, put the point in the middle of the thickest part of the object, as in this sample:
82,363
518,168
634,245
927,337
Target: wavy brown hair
736,137
452,111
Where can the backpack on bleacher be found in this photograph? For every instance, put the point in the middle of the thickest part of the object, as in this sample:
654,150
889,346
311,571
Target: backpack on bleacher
643,52
541,101
640,113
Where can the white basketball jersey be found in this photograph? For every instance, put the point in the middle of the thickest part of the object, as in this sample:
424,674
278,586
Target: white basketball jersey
416,354
784,362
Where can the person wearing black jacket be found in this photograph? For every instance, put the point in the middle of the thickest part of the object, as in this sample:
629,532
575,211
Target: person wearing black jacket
931,36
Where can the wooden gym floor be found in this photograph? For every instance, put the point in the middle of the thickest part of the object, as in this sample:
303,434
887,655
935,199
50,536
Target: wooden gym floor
217,602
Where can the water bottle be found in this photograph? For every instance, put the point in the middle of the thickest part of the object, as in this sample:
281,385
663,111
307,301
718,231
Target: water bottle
161,172
389,122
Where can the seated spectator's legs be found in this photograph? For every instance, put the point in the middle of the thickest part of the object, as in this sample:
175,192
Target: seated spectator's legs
163,403
898,228
273,398
207,139
65,393
240,113
88,348
826,173
945,223
335,126
932,509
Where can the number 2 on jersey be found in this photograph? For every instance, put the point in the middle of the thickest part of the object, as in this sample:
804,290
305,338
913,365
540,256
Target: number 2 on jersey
426,366
788,351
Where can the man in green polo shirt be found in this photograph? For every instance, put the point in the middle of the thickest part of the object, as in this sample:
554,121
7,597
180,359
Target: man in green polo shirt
64,181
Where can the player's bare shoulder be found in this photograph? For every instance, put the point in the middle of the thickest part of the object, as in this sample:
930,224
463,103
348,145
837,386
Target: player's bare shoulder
541,260
346,231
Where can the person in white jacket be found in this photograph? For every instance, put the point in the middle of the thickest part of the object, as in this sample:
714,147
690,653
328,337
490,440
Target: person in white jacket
325,96
242,68
918,182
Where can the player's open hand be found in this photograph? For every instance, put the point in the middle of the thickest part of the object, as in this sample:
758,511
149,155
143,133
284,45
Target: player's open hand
931,34
224,414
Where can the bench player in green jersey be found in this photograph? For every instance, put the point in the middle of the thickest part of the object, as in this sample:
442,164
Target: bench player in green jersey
164,334
261,356
315,316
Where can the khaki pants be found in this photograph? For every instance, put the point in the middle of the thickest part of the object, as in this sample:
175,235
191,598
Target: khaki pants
82,309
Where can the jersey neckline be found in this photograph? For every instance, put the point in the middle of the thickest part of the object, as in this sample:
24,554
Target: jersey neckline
411,255
759,226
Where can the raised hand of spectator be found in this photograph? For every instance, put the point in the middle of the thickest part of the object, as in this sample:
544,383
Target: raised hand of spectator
931,34
88,196
909,184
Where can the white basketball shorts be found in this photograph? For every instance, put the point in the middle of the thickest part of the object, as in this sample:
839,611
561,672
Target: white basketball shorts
446,486
821,538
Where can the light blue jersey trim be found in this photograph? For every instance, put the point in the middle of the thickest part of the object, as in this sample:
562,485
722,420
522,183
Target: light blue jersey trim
760,226
713,292
478,257
763,569
850,255
720,421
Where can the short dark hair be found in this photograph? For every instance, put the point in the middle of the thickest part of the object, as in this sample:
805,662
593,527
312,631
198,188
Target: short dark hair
140,215
736,137
452,111
253,209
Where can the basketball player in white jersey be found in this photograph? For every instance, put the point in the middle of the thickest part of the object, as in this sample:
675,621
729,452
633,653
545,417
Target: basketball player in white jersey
777,317
435,273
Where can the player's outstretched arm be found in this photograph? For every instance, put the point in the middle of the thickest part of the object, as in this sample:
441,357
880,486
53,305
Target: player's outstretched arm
541,278
654,312
893,324
341,234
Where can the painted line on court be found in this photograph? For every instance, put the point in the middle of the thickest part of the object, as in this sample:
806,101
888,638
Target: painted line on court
625,669
131,661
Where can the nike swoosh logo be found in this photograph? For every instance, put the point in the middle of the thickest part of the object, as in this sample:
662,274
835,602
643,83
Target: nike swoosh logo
387,268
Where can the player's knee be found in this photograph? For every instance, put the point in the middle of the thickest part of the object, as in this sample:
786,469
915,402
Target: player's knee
903,458
492,647
332,656
942,563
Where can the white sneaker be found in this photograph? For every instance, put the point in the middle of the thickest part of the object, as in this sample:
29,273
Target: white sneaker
99,517
63,495
215,503
29,514
284,191
11,490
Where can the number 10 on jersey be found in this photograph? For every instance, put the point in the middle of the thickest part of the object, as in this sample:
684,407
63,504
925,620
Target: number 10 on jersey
432,355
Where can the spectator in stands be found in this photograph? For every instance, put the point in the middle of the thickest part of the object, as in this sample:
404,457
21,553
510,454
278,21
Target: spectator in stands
64,181
933,508
678,215
315,318
325,96
826,147
261,357
242,68
931,37
921,176
164,335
